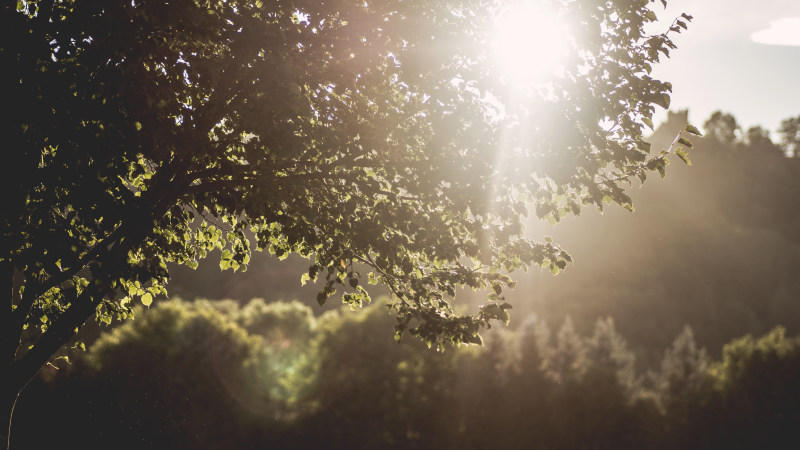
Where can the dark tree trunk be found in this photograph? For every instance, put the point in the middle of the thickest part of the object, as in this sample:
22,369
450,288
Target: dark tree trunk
9,340
19,372
9,393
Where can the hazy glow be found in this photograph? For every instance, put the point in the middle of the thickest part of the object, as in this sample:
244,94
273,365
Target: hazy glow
784,31
529,43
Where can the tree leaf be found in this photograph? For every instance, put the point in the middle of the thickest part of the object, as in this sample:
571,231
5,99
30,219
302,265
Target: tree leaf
693,130
683,155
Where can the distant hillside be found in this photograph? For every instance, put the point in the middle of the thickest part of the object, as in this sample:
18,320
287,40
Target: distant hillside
715,245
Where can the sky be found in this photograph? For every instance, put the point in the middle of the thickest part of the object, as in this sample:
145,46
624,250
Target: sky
738,56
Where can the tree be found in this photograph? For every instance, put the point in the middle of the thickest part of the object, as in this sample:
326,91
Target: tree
376,139
608,352
567,359
790,130
758,139
534,347
723,128
755,394
200,365
683,369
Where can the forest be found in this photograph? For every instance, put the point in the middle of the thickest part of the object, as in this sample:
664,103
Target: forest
682,340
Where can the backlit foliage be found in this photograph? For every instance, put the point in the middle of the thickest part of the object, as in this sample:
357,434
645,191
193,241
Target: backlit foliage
373,138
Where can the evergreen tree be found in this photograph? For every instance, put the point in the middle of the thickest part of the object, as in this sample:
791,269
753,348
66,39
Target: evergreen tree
608,351
683,369
567,361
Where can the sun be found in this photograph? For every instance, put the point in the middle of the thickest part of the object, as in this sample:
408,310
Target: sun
529,43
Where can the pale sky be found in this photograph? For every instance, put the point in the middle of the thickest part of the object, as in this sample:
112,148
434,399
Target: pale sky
738,56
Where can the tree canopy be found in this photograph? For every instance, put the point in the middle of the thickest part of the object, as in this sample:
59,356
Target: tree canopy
377,139
790,130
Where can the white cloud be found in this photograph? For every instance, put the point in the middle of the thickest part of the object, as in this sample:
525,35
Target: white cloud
784,31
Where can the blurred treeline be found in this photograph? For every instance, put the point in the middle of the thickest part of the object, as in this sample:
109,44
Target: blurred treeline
711,254
217,375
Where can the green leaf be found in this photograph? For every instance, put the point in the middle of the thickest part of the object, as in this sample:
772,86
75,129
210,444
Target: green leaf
322,298
663,101
693,130
372,279
147,299
683,155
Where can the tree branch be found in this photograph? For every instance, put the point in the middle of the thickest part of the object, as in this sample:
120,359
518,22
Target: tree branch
164,196
8,339
7,275
33,291
26,367
218,185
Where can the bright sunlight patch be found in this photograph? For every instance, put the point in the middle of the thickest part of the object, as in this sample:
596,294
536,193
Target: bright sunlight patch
529,43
